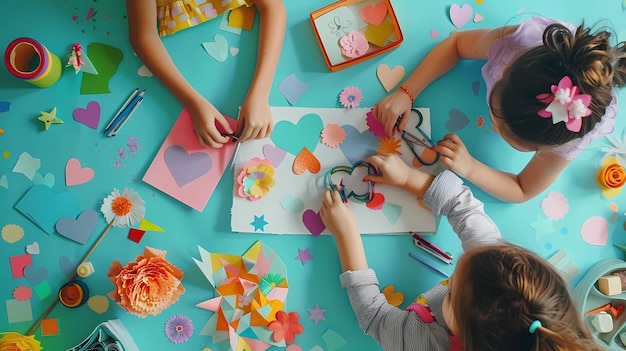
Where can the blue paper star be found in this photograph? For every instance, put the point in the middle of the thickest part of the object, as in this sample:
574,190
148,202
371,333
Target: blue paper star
304,255
542,227
316,314
259,223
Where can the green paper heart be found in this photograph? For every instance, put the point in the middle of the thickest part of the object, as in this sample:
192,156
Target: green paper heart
293,137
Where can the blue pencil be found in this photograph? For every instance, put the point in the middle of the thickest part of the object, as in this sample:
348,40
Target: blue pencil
127,108
123,121
429,265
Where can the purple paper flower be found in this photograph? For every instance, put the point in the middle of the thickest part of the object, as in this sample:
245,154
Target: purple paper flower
178,329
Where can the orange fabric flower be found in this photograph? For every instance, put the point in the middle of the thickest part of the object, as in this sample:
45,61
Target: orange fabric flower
147,286
285,327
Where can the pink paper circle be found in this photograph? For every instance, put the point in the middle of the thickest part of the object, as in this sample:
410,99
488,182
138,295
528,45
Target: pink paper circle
22,293
595,231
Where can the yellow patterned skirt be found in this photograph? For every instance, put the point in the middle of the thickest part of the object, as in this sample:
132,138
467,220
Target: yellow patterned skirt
175,15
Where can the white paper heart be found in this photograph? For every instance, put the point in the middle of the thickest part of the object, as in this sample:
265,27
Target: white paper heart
33,248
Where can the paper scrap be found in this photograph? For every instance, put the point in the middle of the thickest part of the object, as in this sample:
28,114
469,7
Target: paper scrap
292,88
259,223
22,293
148,226
18,311
333,340
292,204
316,314
595,230
378,35
458,120
49,326
389,77
26,165
333,135
136,234
47,180
218,48
98,303
542,227
460,15
224,24
79,229
35,275
4,106
554,206
394,298
105,59
12,233
304,255
33,248
18,263
44,207
42,290
374,13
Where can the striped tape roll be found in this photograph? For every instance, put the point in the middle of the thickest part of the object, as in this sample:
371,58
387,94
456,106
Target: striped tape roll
31,61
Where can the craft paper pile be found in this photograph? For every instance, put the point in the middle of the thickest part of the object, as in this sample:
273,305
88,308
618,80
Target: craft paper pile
304,145
111,335
250,290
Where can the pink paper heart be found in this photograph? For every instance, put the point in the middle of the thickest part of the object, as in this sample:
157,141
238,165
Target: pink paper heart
434,34
478,18
274,154
460,15
374,13
89,116
595,231
313,222
75,175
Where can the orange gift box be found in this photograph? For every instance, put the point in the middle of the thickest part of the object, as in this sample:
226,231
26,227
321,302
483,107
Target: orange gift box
337,25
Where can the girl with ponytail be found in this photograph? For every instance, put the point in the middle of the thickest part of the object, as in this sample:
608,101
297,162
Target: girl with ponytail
550,90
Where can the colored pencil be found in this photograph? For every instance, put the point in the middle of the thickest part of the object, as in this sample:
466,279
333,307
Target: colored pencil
429,265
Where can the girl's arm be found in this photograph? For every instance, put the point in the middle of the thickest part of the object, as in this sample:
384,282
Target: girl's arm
473,45
540,172
255,118
144,38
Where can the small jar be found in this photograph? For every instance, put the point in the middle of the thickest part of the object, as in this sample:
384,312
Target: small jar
84,269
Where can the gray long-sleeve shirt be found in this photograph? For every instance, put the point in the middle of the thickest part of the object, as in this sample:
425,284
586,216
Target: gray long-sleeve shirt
397,329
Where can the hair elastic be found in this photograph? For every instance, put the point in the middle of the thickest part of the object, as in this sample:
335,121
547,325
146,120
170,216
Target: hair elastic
536,324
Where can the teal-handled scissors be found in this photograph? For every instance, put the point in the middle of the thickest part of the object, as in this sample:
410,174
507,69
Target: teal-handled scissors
413,140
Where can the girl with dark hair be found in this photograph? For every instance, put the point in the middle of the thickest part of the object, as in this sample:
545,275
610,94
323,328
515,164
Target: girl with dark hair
550,90
500,297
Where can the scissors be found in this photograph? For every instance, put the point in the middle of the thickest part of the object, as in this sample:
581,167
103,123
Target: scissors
234,137
413,140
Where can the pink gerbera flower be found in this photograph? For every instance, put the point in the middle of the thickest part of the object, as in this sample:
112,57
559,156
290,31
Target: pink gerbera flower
350,97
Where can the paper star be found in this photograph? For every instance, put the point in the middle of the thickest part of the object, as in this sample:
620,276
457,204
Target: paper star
304,255
316,314
542,227
49,118
259,223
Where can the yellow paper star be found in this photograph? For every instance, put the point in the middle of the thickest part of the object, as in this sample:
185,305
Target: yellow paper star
49,118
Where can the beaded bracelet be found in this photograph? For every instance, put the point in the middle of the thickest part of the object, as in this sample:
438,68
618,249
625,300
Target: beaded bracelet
408,93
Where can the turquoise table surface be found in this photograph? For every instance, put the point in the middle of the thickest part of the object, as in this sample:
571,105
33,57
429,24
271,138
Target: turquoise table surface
118,163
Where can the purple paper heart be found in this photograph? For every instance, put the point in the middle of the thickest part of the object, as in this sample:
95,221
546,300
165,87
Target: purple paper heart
274,154
68,266
35,275
78,229
358,145
89,116
313,222
458,120
184,167
460,15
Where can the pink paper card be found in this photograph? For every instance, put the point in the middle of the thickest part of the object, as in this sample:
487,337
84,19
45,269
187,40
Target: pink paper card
186,170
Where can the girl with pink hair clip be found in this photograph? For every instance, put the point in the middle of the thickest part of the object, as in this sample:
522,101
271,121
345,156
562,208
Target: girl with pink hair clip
550,90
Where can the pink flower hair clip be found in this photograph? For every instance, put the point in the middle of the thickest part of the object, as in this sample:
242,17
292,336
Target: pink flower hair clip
565,105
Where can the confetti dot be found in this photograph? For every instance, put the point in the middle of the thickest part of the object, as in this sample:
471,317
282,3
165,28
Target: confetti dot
98,303
1,131
6,154
613,206
548,246
12,233
22,293
564,231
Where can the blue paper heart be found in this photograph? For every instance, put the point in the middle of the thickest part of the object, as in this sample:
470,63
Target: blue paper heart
44,207
186,167
78,229
35,275
358,145
293,137
48,179
457,120
68,266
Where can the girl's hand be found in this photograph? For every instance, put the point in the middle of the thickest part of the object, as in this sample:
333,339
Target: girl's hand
255,119
454,154
390,108
392,170
338,216
204,117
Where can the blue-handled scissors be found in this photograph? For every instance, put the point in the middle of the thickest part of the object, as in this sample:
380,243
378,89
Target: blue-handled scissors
413,140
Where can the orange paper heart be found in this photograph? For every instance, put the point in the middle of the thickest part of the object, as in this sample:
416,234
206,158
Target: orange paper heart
306,161
427,155
394,298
